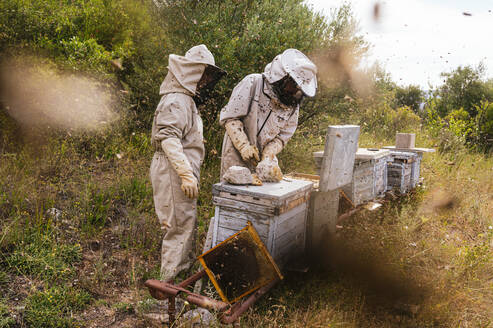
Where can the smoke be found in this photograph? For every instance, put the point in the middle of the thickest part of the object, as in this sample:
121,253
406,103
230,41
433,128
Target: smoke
339,67
36,95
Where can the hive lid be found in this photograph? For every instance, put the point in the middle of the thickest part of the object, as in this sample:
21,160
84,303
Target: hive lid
371,153
413,150
240,265
269,190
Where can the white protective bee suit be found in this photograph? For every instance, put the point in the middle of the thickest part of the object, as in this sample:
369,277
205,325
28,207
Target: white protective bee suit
179,151
257,123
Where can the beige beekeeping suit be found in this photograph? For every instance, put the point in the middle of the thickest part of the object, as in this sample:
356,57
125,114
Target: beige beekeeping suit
255,108
175,168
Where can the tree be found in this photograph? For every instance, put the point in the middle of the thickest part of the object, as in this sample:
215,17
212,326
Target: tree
411,96
463,88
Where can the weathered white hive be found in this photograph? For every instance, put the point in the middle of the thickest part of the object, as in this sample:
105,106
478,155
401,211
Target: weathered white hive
400,171
369,175
416,167
278,211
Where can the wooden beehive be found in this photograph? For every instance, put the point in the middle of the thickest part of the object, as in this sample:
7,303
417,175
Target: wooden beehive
278,211
400,171
416,166
369,175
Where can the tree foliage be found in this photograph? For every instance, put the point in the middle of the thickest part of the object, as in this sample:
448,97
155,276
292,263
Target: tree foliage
462,88
411,96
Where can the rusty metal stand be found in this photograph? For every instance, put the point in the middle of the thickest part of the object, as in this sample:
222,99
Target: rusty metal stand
229,314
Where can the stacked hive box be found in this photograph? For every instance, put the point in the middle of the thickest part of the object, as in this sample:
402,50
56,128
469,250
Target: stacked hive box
278,212
369,179
369,175
403,171
416,165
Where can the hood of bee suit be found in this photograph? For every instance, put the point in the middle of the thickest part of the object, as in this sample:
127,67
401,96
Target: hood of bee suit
301,69
184,72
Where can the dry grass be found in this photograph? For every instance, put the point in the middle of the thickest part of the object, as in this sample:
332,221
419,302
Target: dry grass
436,241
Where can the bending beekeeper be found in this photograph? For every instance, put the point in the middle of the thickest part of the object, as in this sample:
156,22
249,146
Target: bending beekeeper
262,113
178,141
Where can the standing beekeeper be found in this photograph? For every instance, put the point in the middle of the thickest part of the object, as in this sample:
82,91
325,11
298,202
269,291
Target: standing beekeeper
262,112
178,140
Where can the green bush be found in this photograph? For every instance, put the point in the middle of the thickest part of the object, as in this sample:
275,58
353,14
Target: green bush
88,36
458,129
53,308
483,132
377,116
78,51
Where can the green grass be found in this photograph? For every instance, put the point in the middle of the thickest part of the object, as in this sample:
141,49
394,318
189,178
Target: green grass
38,255
6,321
53,308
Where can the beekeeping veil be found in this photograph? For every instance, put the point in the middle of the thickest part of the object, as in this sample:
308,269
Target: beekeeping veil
194,74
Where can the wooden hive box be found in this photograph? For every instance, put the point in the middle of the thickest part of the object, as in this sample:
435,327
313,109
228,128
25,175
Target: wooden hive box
278,211
369,175
416,166
400,171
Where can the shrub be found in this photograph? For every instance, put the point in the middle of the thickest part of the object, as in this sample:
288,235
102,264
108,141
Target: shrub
378,116
483,132
458,127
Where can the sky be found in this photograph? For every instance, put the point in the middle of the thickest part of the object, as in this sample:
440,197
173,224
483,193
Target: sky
416,40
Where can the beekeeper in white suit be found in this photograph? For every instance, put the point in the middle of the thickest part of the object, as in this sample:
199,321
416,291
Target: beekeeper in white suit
178,140
262,112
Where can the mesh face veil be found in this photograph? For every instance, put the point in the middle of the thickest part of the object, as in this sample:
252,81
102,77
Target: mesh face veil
288,91
209,79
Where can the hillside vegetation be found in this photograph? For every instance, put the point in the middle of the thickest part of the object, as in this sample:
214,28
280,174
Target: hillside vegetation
79,83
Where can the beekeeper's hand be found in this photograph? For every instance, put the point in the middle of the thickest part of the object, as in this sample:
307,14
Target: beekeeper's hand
174,152
248,152
190,186
272,149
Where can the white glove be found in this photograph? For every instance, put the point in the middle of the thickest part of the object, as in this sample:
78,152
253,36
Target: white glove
248,152
174,152
272,149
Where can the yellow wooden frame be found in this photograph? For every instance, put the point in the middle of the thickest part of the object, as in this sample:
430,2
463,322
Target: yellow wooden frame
253,233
